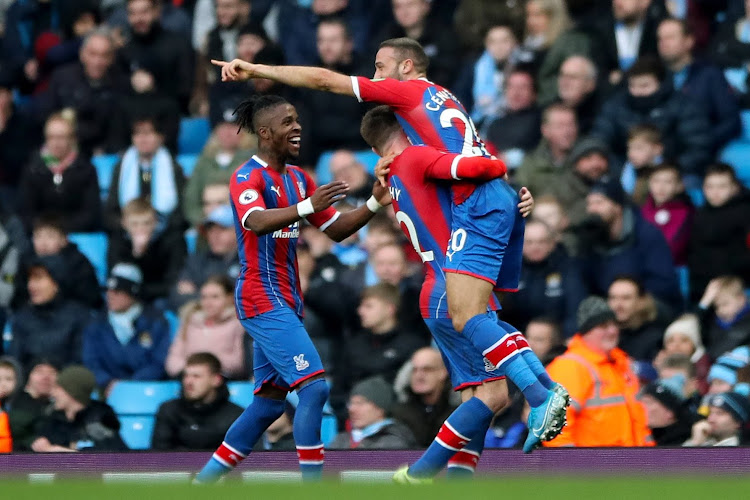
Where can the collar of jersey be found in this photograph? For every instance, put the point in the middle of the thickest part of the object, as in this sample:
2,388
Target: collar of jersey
261,162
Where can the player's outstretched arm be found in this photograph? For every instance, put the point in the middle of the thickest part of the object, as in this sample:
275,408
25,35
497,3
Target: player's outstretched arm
266,221
295,76
459,167
352,221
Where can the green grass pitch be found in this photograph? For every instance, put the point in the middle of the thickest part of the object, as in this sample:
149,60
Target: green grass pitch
557,488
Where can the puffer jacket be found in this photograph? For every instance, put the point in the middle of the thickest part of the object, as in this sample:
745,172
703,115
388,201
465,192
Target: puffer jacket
685,128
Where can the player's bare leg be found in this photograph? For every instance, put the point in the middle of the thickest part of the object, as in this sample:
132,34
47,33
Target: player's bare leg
467,303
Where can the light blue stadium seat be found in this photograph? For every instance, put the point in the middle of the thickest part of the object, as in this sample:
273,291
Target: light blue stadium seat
137,431
328,429
737,154
94,247
365,156
241,393
683,277
105,167
174,323
191,240
141,398
745,117
194,133
696,196
187,162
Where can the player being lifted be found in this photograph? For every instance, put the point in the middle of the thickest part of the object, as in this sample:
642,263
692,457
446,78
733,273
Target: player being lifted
269,199
430,115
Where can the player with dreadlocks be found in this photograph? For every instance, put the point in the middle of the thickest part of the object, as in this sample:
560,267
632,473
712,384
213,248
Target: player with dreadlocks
269,199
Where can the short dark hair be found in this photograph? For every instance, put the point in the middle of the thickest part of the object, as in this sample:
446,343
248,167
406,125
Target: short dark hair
666,167
720,168
554,326
687,29
378,126
557,106
50,221
155,122
648,66
646,131
248,110
523,70
385,292
680,362
406,48
337,21
222,280
205,358
629,278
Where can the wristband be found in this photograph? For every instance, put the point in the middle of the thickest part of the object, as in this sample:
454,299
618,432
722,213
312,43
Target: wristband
373,205
305,208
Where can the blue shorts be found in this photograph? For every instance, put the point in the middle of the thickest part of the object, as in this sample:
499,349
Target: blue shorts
283,354
487,236
466,365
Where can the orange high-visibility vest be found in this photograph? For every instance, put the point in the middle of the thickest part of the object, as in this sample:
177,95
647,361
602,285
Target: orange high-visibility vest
604,410
6,442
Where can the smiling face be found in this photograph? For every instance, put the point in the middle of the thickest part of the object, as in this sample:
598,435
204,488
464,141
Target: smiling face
281,129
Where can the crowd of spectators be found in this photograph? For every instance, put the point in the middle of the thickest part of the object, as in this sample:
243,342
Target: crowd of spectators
614,113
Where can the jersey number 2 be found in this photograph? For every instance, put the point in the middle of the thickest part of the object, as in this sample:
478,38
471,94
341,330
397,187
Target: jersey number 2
404,219
470,132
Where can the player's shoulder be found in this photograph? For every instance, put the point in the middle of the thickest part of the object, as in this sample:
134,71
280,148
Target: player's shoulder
245,172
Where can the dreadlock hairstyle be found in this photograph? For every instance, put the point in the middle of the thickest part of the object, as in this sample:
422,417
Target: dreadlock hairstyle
249,109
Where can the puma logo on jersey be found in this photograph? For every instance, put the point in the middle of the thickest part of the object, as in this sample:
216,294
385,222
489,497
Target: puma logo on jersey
300,363
243,176
277,190
395,192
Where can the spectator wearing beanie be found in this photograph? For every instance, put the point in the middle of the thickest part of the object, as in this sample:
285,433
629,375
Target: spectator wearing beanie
131,340
728,414
683,336
370,403
616,240
604,410
78,422
667,411
723,375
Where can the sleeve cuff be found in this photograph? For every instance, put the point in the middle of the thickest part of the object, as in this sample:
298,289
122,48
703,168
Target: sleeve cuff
355,88
244,217
330,221
454,167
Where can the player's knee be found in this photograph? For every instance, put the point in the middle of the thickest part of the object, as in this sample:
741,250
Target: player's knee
315,390
494,395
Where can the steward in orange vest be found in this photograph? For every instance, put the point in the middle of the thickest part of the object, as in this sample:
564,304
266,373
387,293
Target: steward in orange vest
603,388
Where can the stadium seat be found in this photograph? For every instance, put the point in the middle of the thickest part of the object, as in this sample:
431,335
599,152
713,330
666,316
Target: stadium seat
745,117
141,398
194,133
696,196
137,431
174,323
241,393
94,247
191,240
737,154
323,172
683,277
328,429
105,167
187,162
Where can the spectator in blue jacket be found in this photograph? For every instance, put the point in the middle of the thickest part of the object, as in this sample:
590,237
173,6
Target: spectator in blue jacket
702,82
616,240
551,284
650,98
129,343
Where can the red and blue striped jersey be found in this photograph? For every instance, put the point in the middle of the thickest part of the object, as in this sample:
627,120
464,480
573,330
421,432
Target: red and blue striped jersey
423,209
269,276
430,116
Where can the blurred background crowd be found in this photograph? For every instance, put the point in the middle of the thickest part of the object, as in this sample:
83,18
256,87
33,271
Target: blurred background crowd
627,119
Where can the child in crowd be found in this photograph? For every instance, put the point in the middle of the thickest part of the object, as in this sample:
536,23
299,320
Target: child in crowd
720,238
645,150
158,254
683,337
670,209
730,326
